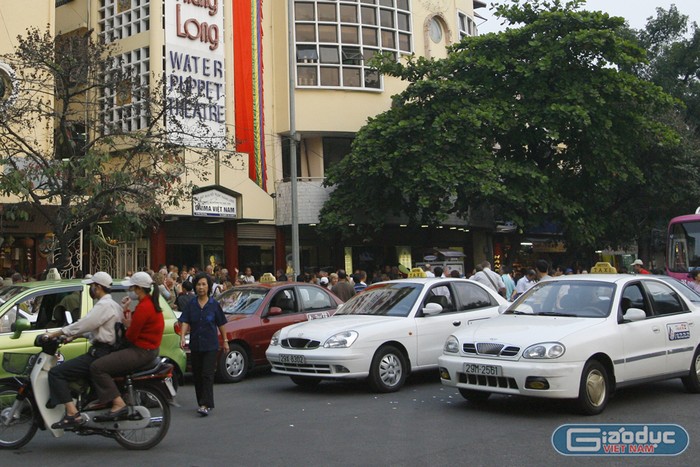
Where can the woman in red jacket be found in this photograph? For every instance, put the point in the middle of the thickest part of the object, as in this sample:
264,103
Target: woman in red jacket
144,331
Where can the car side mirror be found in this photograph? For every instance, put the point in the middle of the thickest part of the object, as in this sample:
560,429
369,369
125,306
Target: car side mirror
432,309
274,311
502,308
634,314
20,325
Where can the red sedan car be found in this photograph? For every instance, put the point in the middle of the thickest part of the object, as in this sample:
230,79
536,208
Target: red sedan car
256,311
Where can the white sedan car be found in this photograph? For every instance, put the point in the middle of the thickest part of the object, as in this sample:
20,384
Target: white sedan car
579,337
384,333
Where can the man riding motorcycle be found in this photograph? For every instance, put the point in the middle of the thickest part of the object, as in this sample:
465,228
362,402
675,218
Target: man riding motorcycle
99,326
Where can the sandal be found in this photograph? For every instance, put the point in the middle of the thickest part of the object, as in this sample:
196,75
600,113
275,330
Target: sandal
68,421
203,411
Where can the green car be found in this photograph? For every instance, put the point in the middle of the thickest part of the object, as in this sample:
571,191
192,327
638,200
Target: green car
49,305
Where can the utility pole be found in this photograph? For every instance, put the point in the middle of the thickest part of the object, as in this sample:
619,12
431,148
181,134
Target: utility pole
293,140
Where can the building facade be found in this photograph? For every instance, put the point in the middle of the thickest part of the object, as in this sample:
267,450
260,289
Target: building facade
279,76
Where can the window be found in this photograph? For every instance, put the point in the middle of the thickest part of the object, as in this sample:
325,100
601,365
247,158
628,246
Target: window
123,108
313,299
284,300
465,25
665,301
119,19
435,30
45,310
471,297
343,34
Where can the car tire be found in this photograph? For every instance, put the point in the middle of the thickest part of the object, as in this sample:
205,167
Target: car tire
692,381
594,389
388,370
474,396
233,365
305,381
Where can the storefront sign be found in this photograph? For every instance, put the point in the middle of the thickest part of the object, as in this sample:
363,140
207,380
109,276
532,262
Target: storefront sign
195,72
549,247
213,203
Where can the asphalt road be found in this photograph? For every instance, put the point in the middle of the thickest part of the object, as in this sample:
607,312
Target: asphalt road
268,421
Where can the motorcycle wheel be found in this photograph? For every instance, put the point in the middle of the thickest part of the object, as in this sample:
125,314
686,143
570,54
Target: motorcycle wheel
15,433
154,433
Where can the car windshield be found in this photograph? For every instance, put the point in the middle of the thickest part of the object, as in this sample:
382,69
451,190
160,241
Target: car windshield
242,301
7,292
589,299
390,299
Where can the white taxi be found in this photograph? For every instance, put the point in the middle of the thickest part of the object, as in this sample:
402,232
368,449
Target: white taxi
383,333
578,337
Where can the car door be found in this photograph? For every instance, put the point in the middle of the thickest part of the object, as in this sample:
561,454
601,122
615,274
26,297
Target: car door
287,300
463,304
45,310
643,342
677,324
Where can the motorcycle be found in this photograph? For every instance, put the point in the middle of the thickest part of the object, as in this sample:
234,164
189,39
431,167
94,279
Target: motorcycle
24,399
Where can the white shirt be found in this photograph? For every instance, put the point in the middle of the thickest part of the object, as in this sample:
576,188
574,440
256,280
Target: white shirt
482,277
524,284
99,322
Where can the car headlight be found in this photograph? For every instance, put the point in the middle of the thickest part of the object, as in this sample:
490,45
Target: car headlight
544,350
275,339
341,340
451,345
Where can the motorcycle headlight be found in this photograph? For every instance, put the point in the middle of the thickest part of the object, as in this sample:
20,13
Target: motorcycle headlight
544,350
275,339
341,340
451,345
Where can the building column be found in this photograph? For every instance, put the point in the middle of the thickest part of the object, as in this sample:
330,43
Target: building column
280,250
158,254
231,247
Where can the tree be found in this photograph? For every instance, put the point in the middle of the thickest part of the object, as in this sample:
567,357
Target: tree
541,123
92,167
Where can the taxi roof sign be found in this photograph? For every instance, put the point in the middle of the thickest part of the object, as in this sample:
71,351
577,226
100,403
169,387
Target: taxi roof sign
417,272
603,267
267,278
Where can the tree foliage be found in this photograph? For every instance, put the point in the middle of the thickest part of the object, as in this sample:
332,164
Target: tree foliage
91,168
541,122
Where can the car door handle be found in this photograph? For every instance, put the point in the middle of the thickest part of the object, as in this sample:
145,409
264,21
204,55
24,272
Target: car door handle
656,329
456,323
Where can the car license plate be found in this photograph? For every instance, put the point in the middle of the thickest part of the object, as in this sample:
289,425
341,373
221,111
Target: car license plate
486,370
169,384
284,358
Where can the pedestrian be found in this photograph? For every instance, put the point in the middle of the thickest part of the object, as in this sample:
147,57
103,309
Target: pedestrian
359,278
201,318
489,278
694,282
638,266
525,283
186,296
99,324
508,280
542,270
343,289
248,277
144,333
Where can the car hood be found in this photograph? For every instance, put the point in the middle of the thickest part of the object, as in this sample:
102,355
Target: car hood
319,329
524,330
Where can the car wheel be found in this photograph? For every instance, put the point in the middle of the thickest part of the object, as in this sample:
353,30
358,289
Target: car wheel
594,389
474,396
692,381
233,365
388,370
305,381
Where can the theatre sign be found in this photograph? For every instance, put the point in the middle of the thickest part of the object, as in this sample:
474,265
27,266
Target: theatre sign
214,203
195,72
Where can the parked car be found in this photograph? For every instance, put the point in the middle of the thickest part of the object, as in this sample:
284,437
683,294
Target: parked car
384,333
254,312
49,305
580,338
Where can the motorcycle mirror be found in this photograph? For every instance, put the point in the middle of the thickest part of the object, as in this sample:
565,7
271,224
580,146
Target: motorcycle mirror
20,325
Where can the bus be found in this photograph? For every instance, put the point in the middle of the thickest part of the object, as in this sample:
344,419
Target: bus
683,245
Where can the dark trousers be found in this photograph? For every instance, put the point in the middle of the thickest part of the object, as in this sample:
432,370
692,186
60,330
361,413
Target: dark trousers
203,367
114,364
61,375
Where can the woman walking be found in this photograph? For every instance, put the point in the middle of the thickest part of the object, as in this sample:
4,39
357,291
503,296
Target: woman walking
201,318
